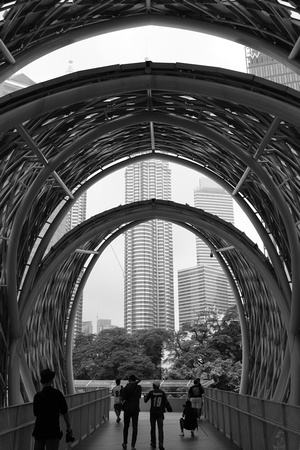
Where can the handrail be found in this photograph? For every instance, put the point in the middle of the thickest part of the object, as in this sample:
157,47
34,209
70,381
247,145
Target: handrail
253,423
87,411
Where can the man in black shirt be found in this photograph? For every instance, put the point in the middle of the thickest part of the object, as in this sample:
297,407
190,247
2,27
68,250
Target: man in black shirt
159,403
47,407
131,395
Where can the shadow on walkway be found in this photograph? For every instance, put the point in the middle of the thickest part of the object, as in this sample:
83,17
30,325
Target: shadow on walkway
110,436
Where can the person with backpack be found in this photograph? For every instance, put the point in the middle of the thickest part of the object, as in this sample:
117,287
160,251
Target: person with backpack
195,396
117,394
159,404
188,421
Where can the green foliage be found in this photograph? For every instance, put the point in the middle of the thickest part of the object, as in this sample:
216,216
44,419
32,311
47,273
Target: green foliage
83,356
225,373
114,353
209,345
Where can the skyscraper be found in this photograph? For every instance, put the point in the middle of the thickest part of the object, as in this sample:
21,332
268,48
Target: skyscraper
205,287
266,67
213,199
148,284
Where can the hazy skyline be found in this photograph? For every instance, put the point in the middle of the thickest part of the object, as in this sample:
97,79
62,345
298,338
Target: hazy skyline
103,294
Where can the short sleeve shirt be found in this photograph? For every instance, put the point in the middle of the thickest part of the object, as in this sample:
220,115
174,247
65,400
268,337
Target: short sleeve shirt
117,393
48,405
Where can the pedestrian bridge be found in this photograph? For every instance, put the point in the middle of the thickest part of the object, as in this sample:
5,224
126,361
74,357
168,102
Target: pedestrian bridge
231,421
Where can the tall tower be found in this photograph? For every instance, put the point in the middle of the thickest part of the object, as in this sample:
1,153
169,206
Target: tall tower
213,199
205,287
148,284
76,215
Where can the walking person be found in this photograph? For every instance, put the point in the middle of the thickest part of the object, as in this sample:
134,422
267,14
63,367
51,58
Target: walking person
195,396
131,395
188,421
159,403
48,405
117,394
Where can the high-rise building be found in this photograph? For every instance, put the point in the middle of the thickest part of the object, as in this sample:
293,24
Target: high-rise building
205,287
15,83
148,284
266,67
76,215
213,199
201,289
87,327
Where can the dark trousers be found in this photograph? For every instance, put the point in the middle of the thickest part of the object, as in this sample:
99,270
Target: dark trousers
46,444
135,418
158,419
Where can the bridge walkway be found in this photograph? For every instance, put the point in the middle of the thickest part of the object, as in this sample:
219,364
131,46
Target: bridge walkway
110,436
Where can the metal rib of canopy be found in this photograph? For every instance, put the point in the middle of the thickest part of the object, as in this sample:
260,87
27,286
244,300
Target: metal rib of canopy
59,137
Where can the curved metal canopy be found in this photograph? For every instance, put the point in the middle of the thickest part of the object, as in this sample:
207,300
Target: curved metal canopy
59,137
33,28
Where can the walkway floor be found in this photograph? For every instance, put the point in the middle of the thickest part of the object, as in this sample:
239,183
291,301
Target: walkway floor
109,436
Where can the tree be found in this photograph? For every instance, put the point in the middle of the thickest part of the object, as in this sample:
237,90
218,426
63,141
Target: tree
83,356
210,345
225,373
114,353
227,339
152,343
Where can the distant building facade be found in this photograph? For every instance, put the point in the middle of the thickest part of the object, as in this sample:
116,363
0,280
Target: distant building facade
201,289
87,327
215,200
266,67
103,324
205,287
148,277
16,82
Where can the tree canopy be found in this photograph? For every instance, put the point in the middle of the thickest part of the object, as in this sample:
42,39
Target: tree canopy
114,353
210,346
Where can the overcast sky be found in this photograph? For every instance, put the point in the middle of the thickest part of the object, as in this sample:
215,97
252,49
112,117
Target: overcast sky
103,294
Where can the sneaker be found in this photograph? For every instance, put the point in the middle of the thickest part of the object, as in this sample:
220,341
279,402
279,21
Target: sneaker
124,446
181,434
118,420
192,434
161,447
152,445
133,448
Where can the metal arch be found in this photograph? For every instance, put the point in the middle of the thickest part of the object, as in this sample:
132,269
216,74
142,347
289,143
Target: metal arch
90,267
45,241
242,159
48,235
39,253
269,28
226,85
165,210
148,117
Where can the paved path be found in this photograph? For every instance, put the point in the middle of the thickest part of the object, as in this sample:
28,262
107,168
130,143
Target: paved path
110,436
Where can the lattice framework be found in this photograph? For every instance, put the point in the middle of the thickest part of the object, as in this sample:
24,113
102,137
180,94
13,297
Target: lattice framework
241,130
